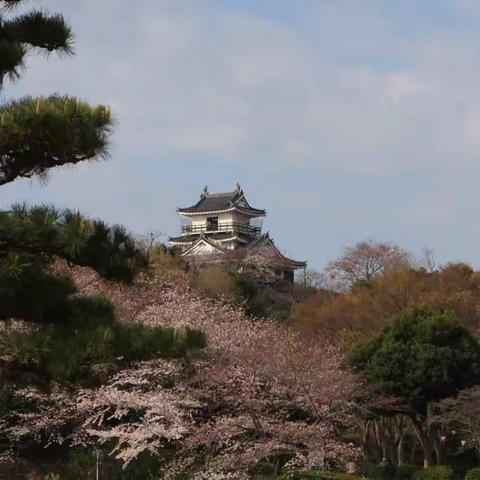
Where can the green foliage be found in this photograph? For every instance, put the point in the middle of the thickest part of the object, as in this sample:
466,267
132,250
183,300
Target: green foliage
67,351
473,474
32,237
166,258
12,56
34,294
40,30
435,473
260,302
81,465
406,471
294,474
34,29
323,475
217,283
424,355
237,288
41,133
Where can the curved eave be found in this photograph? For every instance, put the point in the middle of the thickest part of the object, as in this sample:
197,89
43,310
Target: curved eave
294,264
252,212
182,240
281,261
265,245
290,262
174,242
219,249
212,236
229,239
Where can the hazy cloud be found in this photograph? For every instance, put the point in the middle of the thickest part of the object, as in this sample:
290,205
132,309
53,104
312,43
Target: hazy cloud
345,122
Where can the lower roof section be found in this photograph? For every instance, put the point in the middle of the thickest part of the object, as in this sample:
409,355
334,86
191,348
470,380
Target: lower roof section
217,236
211,244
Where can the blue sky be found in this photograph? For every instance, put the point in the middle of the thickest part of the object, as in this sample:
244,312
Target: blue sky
345,119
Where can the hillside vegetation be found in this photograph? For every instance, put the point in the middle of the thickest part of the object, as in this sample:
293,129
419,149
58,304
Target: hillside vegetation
119,361
255,396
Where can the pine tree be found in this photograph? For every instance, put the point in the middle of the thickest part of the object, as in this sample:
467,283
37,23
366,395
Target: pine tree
36,135
41,133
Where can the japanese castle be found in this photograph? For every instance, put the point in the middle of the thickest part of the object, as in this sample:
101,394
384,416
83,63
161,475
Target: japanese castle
222,224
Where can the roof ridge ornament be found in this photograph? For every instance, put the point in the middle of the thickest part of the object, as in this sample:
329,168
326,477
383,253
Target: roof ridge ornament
219,202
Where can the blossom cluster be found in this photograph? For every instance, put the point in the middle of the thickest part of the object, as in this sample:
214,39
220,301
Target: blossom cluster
258,390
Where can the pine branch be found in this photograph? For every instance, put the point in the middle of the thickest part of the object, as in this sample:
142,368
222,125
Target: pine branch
40,30
33,30
11,4
39,234
11,60
41,133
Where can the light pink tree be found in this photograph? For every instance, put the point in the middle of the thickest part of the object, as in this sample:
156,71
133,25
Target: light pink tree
258,390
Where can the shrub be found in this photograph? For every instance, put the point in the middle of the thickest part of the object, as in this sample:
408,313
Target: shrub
81,464
473,474
35,294
370,470
406,471
90,311
323,475
259,301
67,351
435,473
216,283
140,342
167,264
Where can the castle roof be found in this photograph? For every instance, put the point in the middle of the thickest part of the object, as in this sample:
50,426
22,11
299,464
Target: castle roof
222,202
265,246
215,245
217,236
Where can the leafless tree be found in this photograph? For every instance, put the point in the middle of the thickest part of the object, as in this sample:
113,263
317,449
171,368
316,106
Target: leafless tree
314,278
428,260
367,260
462,415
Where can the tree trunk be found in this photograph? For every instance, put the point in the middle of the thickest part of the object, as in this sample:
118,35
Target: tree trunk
366,427
414,450
427,454
398,431
422,430
400,450
378,438
385,456
439,452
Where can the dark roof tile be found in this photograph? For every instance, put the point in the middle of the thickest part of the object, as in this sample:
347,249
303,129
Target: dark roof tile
217,202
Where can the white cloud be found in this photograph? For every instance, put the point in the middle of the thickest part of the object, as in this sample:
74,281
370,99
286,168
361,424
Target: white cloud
190,81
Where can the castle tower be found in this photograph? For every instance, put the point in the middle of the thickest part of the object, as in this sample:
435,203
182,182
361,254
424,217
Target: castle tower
220,224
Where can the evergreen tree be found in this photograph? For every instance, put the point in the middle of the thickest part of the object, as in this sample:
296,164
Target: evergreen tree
424,356
41,133
37,134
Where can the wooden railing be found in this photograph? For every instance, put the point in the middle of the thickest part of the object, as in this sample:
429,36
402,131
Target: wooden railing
222,227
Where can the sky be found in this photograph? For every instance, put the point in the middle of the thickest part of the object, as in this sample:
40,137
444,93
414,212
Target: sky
345,119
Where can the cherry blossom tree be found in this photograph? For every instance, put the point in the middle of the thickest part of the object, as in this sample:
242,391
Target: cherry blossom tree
258,392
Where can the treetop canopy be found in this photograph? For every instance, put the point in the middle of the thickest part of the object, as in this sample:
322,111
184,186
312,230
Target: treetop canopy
41,133
423,356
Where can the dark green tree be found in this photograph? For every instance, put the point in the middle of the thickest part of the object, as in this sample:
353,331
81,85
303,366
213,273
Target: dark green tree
421,358
72,335
36,135
40,133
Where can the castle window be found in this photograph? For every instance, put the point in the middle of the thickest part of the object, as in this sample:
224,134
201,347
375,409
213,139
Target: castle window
212,224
